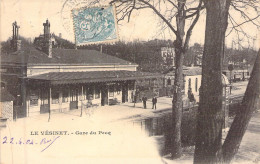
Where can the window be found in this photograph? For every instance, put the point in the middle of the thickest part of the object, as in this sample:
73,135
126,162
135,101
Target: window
55,97
65,95
118,87
34,97
90,92
111,91
97,93
196,85
74,95
3,70
44,97
168,81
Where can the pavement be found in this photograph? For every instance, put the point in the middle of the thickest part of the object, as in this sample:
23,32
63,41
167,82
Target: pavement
102,135
238,88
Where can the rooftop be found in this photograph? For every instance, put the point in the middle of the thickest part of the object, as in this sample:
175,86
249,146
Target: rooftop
92,76
30,55
187,71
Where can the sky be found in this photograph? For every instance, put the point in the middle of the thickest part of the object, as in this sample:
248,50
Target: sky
143,25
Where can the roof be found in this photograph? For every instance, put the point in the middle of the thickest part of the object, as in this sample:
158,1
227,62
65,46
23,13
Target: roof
6,96
192,71
92,76
30,55
188,71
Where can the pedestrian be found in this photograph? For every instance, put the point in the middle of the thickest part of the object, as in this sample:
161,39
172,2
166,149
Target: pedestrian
154,100
144,99
135,98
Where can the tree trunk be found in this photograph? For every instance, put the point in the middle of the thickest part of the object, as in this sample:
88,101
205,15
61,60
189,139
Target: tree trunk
178,82
210,115
243,115
177,105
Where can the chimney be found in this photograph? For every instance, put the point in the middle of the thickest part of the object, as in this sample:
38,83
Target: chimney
47,45
15,42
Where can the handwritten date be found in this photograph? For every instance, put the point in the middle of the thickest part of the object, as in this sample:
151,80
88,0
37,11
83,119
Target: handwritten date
44,141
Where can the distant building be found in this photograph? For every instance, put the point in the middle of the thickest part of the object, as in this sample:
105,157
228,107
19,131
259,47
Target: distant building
191,81
198,60
168,55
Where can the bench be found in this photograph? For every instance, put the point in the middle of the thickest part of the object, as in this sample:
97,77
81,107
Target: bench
113,101
90,105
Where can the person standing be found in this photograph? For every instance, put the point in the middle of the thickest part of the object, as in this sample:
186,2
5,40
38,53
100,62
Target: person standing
144,101
154,100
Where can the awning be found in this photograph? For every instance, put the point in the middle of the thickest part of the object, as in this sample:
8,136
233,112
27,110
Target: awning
92,76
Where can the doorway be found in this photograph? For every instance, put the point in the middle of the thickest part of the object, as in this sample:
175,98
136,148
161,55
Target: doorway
124,93
74,99
104,96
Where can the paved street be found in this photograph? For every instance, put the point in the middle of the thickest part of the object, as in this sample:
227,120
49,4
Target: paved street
238,88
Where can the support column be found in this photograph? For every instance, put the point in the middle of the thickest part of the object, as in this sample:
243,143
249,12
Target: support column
82,96
69,94
28,102
60,100
24,99
135,94
81,100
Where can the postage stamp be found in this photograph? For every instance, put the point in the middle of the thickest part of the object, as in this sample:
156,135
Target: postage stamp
95,25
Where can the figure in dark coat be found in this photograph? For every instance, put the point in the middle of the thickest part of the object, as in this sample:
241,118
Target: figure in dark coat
144,99
154,100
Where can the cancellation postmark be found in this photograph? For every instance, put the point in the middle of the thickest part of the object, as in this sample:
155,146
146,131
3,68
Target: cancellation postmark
65,12
95,25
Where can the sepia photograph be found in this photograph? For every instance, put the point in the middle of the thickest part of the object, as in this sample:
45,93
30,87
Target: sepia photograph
129,81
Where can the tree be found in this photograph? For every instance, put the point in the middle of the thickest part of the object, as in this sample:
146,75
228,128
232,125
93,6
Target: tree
210,120
174,15
249,103
209,148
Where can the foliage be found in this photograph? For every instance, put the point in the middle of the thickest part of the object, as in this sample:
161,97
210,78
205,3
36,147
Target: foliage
146,54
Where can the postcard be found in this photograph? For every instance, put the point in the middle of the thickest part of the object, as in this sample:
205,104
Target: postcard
91,81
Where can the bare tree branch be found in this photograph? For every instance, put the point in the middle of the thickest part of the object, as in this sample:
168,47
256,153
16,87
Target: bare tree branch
161,16
196,12
247,18
188,35
171,2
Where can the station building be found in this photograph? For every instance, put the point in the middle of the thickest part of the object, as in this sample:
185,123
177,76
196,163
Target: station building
44,79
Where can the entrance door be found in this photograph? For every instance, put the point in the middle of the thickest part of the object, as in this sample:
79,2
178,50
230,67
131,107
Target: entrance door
74,99
104,95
